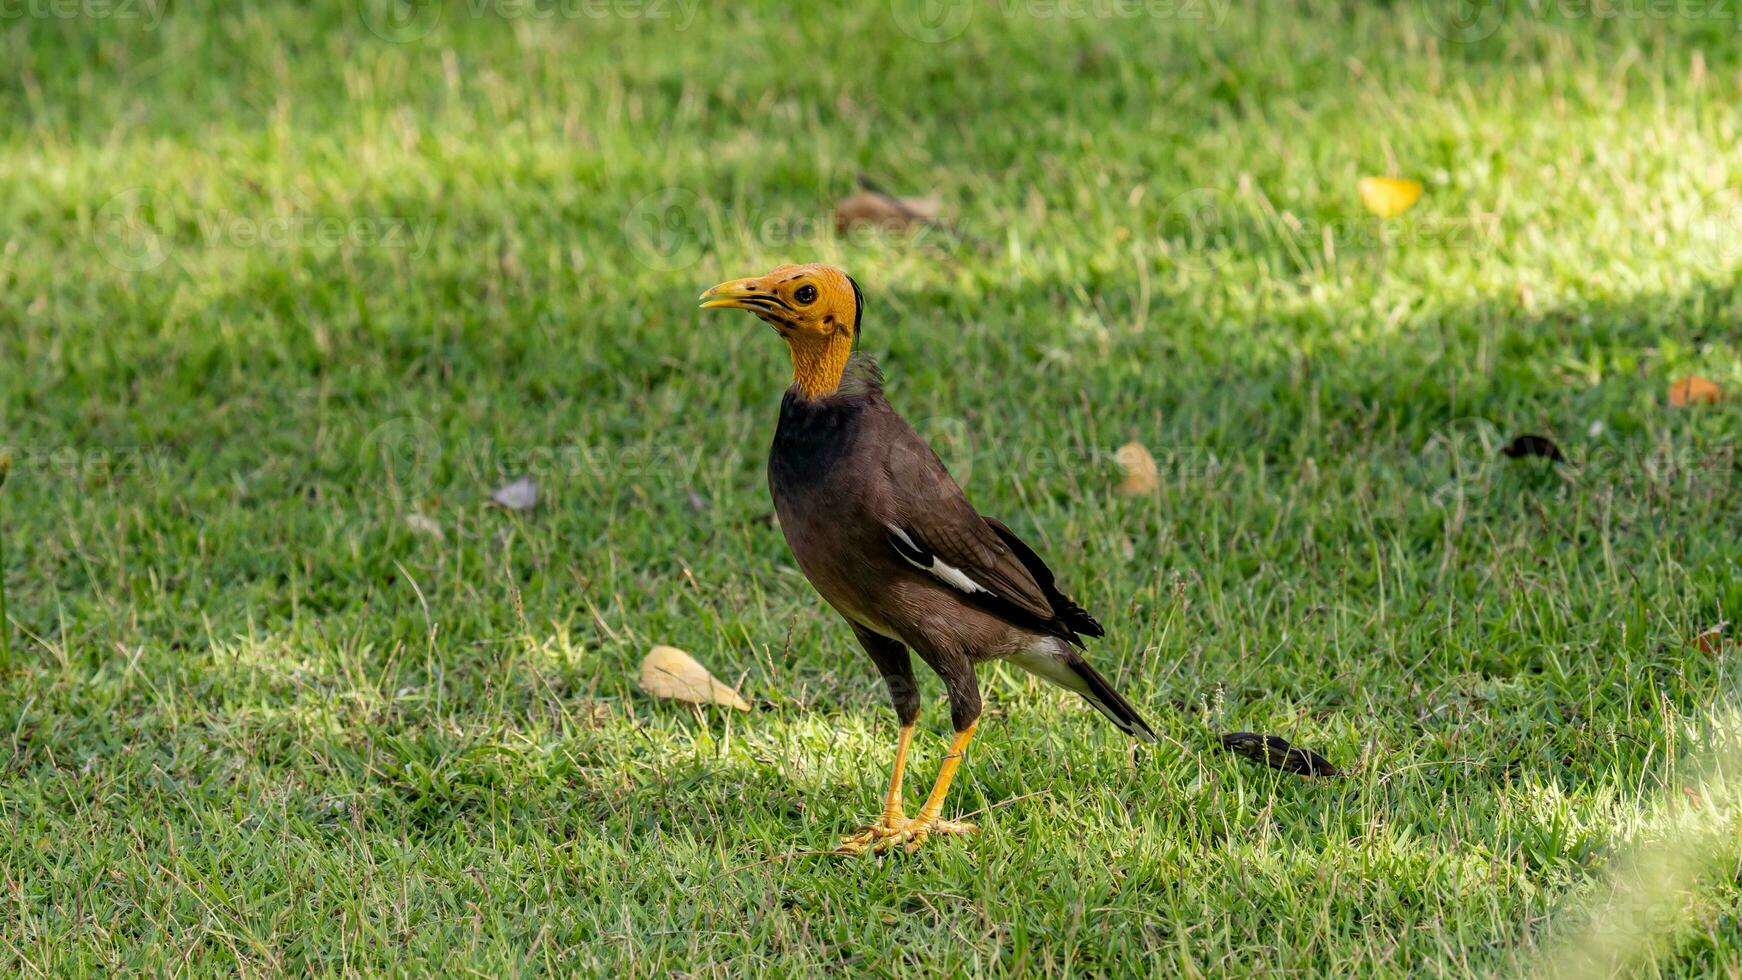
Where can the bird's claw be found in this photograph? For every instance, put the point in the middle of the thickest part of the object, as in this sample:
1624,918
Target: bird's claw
886,835
889,825
911,836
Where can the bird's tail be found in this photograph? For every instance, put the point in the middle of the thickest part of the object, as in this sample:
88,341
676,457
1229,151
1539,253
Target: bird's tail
1110,702
1054,661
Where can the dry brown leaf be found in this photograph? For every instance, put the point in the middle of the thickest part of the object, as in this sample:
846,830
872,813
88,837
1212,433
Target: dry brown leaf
1141,475
1694,390
1388,197
880,210
1711,642
667,672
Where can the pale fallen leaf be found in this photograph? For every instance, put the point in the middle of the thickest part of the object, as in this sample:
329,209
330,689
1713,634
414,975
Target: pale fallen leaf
1140,473
425,526
1694,390
520,495
1389,197
667,672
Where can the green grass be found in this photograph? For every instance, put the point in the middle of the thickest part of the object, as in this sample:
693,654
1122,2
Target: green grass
256,721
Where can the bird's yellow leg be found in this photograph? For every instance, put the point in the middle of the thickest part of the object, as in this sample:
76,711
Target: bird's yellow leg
894,816
929,822
894,813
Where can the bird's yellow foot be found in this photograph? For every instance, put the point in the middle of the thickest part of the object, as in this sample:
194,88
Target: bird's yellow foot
888,825
908,835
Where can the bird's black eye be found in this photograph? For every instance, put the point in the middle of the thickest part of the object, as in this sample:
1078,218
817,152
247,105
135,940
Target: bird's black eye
806,294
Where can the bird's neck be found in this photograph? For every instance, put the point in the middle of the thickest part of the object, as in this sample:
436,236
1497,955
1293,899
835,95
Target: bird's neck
817,363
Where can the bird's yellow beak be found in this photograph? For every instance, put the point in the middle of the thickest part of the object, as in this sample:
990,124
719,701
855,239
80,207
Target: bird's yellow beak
740,294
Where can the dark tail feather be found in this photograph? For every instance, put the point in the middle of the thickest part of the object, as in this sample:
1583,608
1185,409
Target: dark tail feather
1111,703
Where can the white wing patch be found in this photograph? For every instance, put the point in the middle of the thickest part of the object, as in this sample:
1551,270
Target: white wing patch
925,561
954,576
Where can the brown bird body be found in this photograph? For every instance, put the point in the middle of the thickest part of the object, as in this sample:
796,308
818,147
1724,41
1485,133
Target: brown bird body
888,539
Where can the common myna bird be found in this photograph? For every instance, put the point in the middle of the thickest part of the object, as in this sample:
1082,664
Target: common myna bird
888,539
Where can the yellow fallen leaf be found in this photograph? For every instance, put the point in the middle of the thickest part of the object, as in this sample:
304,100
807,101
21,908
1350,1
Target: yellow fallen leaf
1389,197
667,672
1694,390
1140,473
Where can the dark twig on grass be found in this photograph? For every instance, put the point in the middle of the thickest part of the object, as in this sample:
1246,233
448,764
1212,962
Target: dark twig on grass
1275,752
1533,445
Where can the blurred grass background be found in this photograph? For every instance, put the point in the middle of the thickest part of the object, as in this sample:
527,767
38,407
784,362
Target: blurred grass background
286,286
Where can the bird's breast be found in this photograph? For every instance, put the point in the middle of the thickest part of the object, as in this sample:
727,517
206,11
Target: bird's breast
812,441
824,498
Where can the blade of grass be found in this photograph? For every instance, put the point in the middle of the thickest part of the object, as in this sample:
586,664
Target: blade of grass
5,622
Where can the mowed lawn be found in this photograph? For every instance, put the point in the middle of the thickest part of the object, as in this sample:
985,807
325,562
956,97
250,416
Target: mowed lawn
287,291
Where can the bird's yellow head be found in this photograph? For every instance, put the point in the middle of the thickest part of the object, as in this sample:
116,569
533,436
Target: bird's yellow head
815,309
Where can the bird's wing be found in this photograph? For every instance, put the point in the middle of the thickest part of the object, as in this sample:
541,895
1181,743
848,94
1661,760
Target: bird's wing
932,527
1075,617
